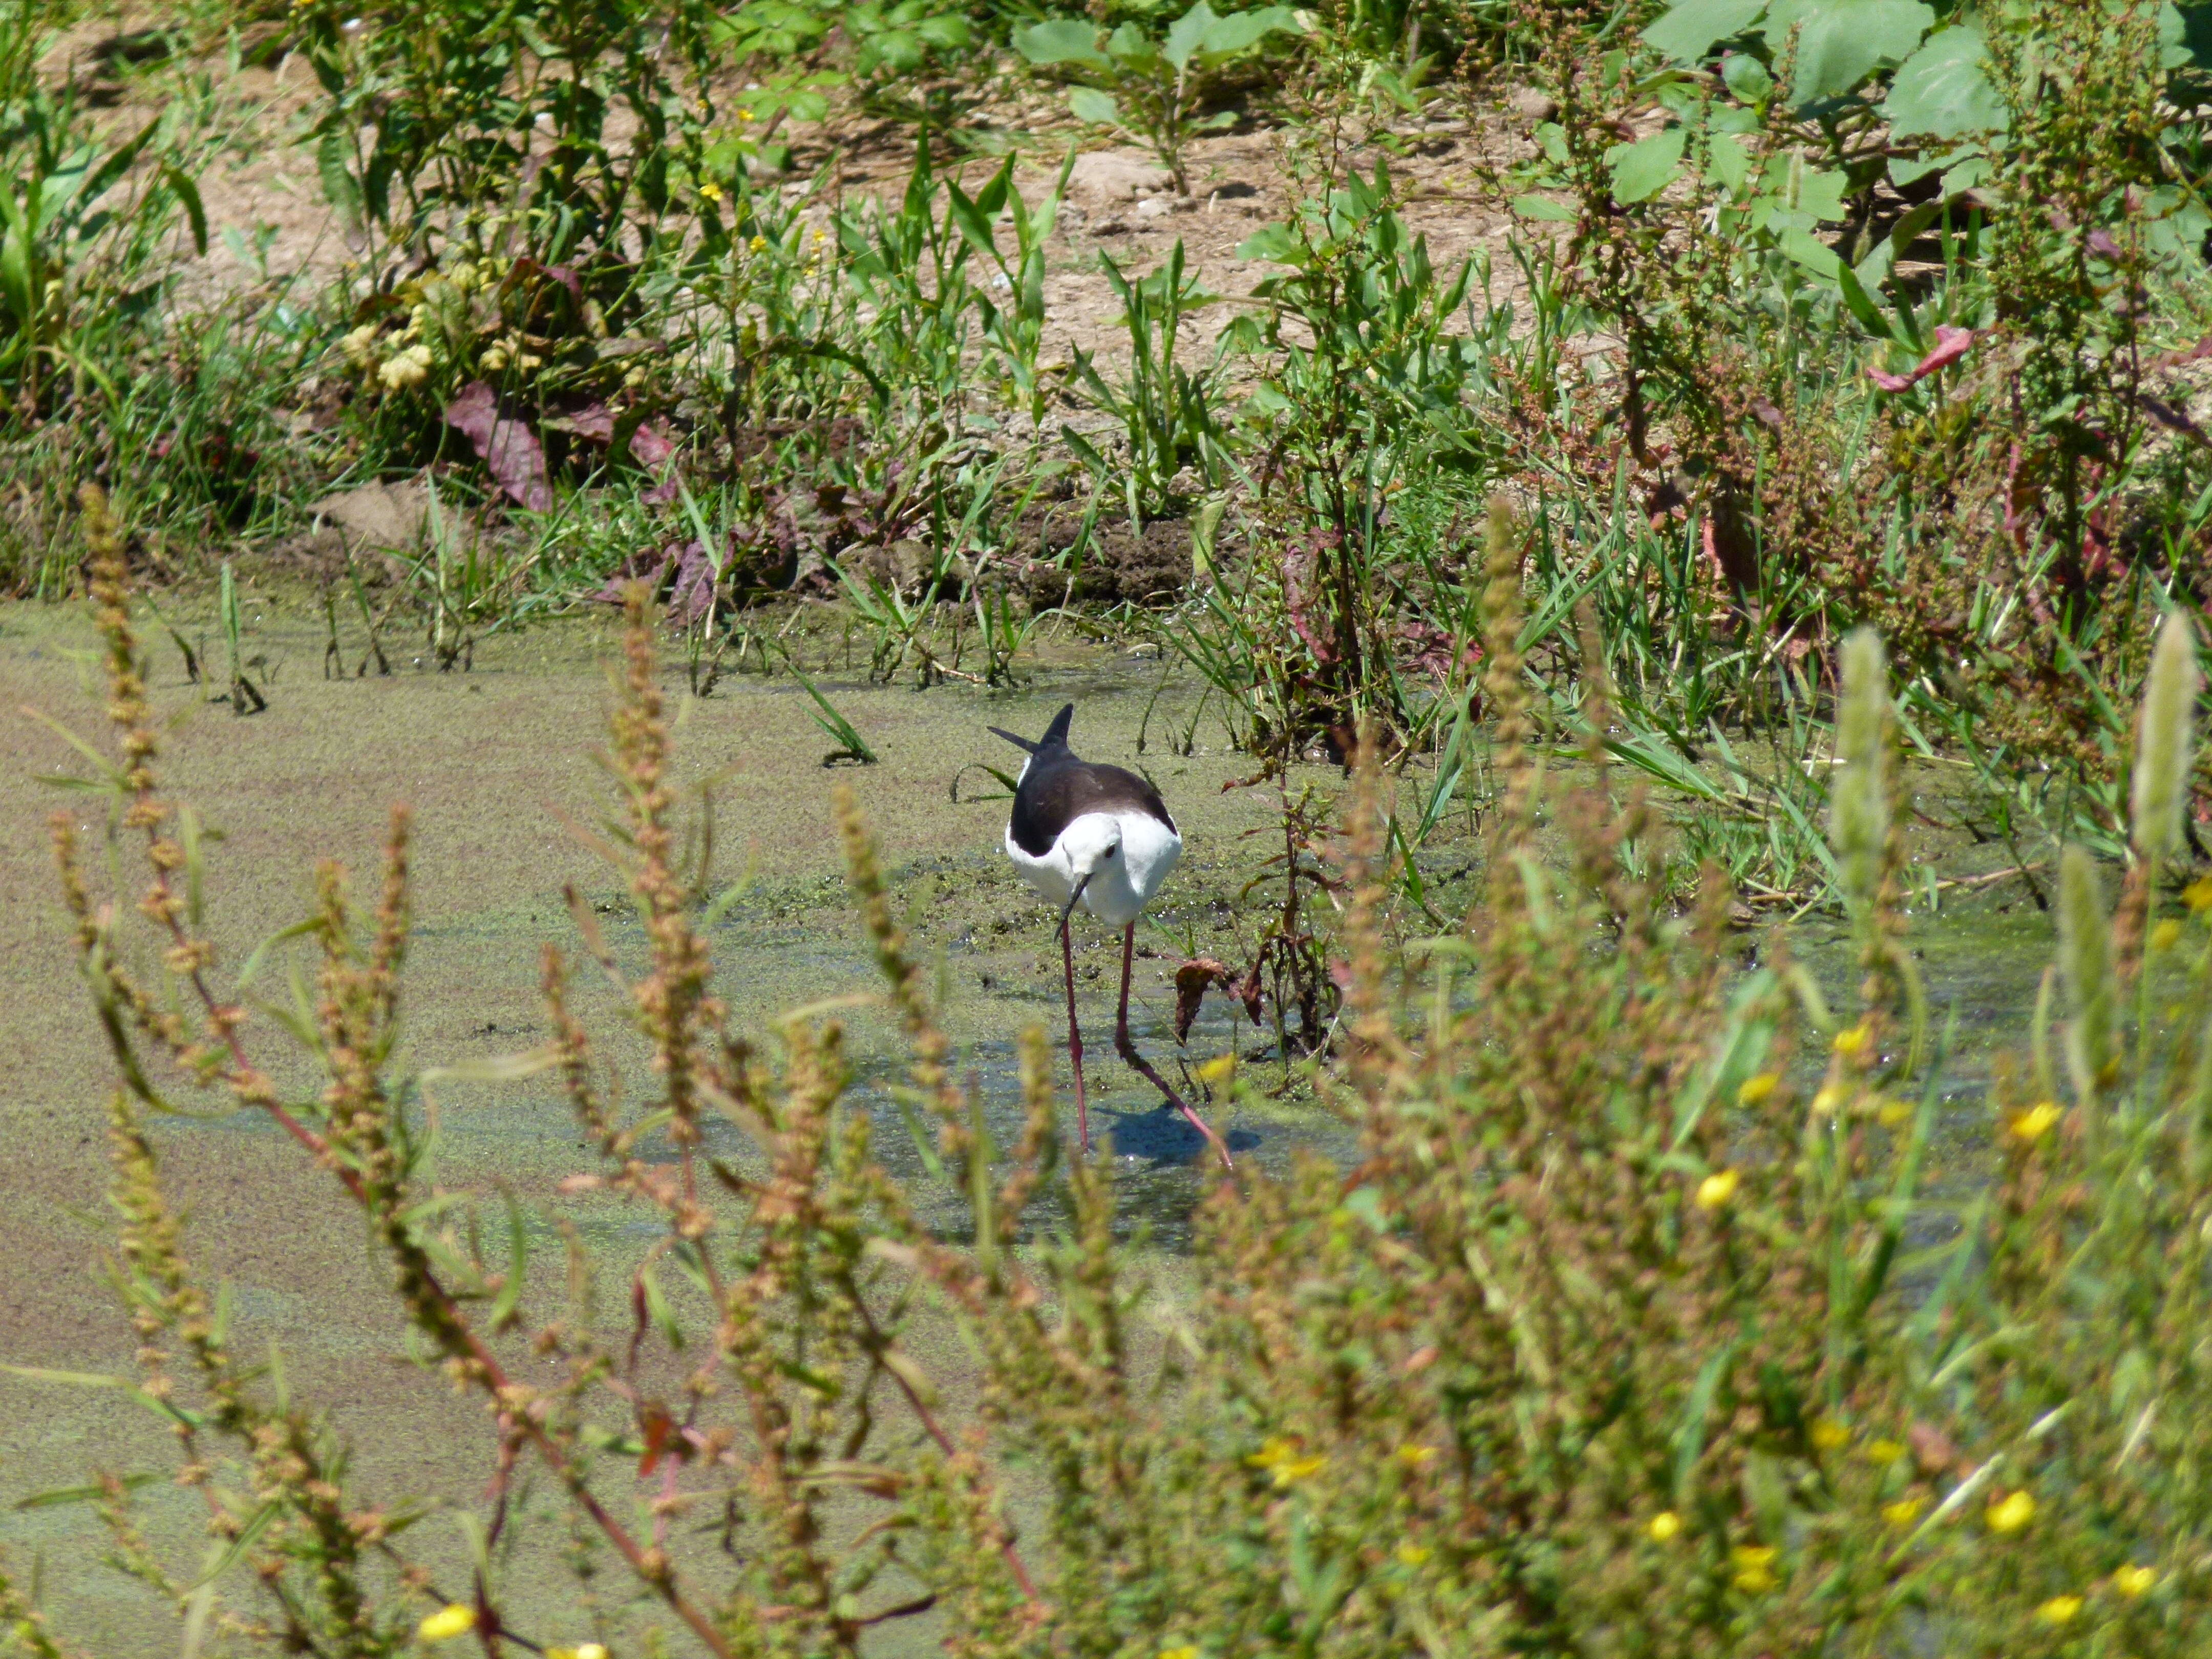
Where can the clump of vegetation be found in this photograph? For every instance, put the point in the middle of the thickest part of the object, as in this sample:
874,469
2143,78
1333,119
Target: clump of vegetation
1632,1329
1898,315
1832,403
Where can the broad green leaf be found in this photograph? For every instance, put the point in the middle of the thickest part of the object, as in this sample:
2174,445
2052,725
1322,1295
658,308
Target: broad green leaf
1131,48
1974,170
1243,30
2185,35
1188,33
1694,27
1729,161
1747,78
1810,251
1821,194
1094,106
1843,40
1061,40
1642,169
1943,91
1906,169
2186,31
1277,244
2175,226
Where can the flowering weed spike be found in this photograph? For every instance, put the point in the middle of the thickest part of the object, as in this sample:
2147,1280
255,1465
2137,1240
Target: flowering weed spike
2085,961
1858,811
2164,753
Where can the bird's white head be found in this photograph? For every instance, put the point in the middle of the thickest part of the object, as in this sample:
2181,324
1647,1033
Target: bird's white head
1092,844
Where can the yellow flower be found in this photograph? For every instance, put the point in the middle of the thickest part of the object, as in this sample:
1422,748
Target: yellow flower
589,1650
711,191
1892,1113
1186,1651
1664,1527
747,115
1883,1453
1413,1555
2013,1513
1904,1512
1414,1456
1279,1457
1756,1089
1716,1189
1223,1065
1755,1568
1829,1101
448,1623
2166,935
2059,1609
2198,894
1850,1043
2032,1125
1829,1435
2132,1582
758,245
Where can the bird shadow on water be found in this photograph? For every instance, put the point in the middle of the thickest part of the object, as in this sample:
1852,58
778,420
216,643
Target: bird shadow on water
1164,1135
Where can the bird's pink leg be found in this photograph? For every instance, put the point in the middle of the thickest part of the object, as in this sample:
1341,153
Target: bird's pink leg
1075,1036
1128,1050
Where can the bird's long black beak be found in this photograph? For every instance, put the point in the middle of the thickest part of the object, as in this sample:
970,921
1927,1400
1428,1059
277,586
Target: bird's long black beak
1068,908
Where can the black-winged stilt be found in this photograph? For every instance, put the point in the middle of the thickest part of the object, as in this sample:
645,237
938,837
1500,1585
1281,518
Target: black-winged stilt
1098,836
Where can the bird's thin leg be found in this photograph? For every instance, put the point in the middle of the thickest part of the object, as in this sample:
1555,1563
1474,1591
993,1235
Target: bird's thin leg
1075,1036
1128,1050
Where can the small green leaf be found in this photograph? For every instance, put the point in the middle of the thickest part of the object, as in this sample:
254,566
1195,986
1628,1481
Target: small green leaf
1642,169
1098,108
338,183
91,1493
1543,210
1132,50
1061,40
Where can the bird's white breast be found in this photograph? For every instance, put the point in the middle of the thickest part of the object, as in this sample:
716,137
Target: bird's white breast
1120,888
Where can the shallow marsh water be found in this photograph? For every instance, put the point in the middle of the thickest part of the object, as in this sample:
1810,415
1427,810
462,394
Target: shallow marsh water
497,765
